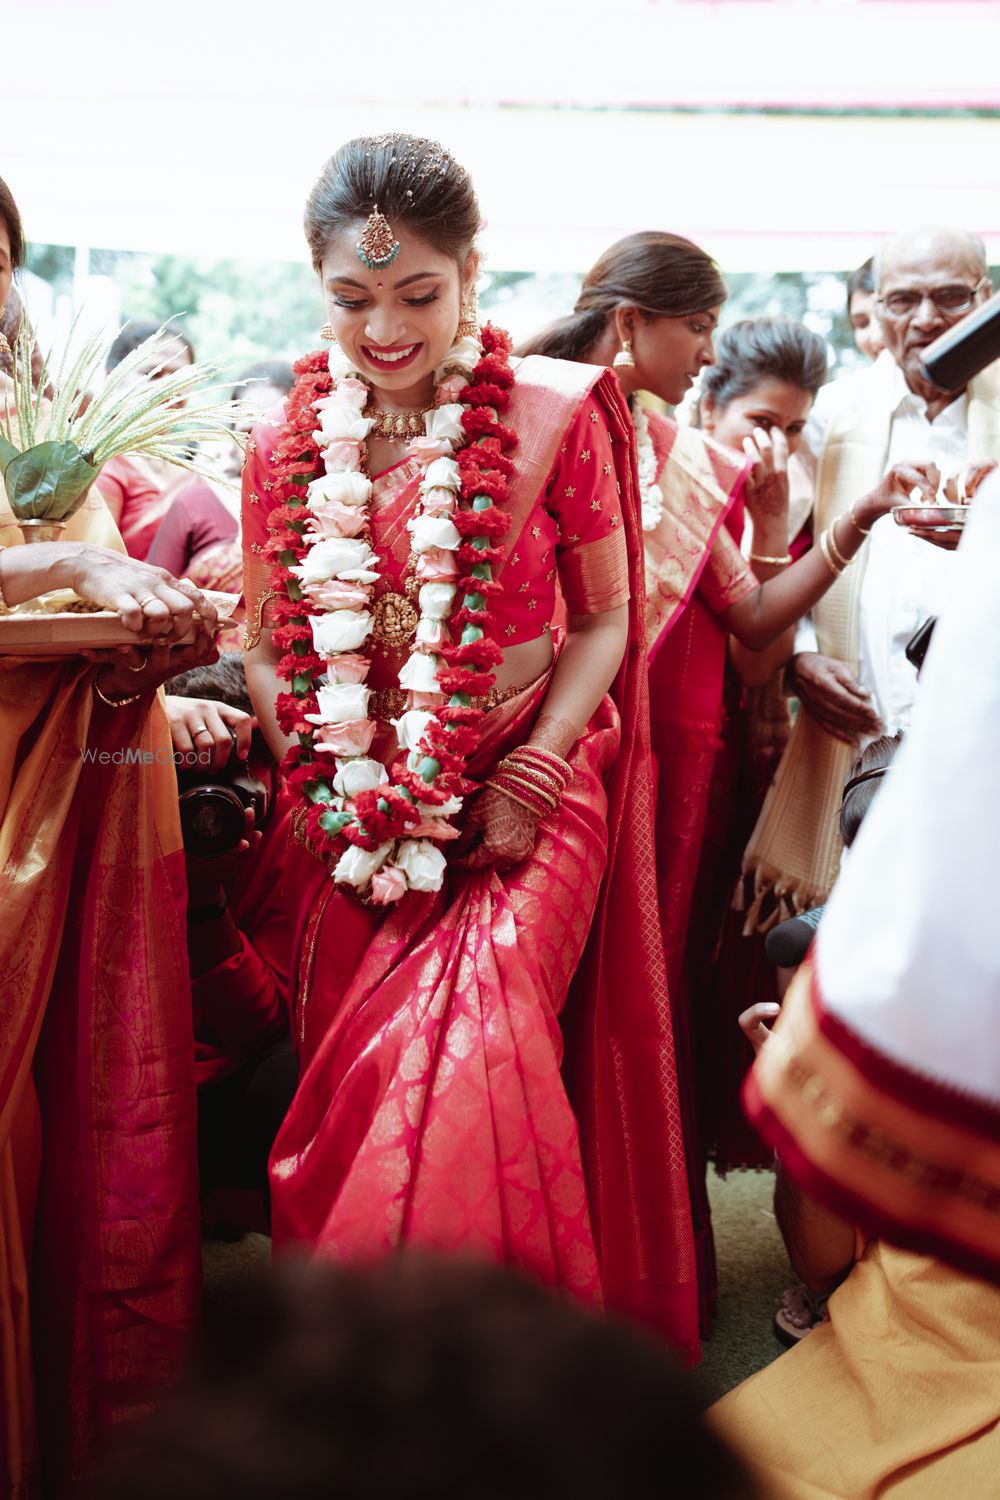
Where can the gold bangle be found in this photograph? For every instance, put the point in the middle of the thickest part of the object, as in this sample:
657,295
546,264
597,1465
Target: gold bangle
115,702
831,531
770,562
824,547
542,760
545,778
529,749
505,791
856,523
527,785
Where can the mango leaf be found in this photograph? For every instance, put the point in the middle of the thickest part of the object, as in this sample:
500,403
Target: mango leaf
7,452
48,482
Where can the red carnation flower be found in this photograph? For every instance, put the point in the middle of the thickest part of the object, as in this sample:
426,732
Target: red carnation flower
458,680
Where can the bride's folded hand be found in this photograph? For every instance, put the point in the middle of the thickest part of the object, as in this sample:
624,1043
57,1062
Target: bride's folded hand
498,831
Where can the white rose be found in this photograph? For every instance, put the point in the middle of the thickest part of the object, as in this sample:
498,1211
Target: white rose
446,810
339,364
340,422
442,474
410,727
420,674
442,502
359,775
422,863
343,703
446,422
350,488
431,633
337,557
340,630
435,600
357,866
464,354
433,531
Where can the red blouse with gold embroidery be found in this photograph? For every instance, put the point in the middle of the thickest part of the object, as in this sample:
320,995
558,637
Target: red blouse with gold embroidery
574,532
575,535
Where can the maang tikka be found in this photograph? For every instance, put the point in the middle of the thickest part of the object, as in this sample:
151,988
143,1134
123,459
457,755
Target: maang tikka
377,248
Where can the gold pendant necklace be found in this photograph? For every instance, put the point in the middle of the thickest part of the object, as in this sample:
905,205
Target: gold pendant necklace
392,425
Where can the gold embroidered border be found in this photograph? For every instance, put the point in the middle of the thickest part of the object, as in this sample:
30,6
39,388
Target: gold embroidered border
594,575
254,627
878,1146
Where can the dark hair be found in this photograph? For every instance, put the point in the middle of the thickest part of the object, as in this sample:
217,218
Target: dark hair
137,332
413,181
759,348
661,275
277,372
424,1378
859,794
15,230
224,680
861,280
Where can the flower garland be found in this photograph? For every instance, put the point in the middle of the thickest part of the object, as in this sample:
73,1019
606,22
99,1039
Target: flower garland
649,491
385,824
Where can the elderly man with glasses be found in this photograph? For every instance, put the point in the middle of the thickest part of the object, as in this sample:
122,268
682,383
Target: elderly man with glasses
850,670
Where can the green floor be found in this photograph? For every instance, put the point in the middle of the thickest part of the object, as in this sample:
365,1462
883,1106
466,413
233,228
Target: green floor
753,1272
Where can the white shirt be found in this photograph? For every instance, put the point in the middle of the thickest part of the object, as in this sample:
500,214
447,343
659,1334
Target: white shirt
906,580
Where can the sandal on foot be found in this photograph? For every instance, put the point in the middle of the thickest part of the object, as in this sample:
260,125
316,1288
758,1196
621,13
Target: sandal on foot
800,1311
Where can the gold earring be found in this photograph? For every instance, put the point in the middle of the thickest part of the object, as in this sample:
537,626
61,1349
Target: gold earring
624,359
468,327
327,333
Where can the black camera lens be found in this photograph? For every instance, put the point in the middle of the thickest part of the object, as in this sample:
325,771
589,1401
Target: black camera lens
213,820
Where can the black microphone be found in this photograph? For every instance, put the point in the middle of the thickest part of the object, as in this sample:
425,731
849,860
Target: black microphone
953,359
787,944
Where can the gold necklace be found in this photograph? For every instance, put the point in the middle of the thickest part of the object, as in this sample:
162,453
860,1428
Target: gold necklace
392,425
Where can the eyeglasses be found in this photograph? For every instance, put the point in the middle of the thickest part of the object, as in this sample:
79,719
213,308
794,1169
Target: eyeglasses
950,301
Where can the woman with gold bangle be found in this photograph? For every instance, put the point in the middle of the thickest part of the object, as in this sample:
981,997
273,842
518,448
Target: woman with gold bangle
473,796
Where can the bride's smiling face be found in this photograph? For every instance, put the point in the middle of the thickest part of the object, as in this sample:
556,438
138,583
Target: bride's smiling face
395,324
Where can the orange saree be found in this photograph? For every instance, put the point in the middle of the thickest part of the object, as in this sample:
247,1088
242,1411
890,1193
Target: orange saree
99,1264
435,1104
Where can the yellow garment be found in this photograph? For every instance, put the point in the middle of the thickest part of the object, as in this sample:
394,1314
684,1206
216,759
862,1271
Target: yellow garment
896,1397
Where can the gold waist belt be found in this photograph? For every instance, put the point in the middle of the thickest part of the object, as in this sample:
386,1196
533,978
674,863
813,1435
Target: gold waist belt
389,703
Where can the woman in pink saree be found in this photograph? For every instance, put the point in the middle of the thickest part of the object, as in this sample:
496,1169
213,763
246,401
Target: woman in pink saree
435,1106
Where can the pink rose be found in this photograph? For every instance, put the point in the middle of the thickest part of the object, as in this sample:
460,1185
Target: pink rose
433,828
336,594
342,454
439,502
388,885
331,518
449,389
351,392
347,667
426,700
352,738
433,634
426,449
436,565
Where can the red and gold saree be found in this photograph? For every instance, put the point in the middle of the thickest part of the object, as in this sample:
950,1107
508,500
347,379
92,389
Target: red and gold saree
694,570
99,1248
432,1106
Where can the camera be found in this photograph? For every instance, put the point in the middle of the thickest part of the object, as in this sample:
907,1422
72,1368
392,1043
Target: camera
219,808
954,358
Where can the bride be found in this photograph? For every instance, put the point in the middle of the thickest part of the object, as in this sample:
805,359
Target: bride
472,868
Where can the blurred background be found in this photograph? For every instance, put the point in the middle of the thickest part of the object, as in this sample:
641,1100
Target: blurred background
161,154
